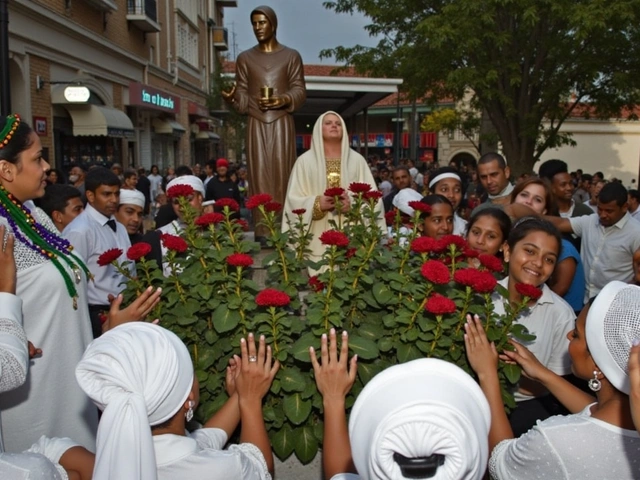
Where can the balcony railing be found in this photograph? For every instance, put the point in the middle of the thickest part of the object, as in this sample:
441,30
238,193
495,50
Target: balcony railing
221,38
228,3
143,14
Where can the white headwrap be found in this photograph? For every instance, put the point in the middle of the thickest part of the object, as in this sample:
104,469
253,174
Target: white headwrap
191,180
140,375
443,176
418,409
402,199
131,197
613,322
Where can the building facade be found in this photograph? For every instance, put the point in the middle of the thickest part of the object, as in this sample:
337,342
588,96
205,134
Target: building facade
147,65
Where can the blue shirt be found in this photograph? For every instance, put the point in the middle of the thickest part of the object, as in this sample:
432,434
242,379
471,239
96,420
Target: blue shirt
575,294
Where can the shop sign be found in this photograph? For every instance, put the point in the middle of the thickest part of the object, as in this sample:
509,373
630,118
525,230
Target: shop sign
150,97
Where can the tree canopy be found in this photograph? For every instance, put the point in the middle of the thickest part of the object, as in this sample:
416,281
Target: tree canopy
529,63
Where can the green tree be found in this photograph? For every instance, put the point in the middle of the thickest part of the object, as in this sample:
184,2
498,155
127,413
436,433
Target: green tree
529,63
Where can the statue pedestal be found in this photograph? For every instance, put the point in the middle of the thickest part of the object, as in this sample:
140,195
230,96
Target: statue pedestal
292,469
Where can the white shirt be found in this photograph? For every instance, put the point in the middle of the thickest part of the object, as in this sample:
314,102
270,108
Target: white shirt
91,237
550,319
569,447
201,456
607,253
636,214
459,225
174,228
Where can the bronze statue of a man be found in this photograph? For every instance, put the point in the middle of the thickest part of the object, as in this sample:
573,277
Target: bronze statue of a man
269,88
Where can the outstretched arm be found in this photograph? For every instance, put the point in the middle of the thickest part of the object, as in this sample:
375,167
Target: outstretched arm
634,378
334,379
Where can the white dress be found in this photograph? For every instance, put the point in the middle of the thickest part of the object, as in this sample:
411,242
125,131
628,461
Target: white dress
201,456
569,447
50,402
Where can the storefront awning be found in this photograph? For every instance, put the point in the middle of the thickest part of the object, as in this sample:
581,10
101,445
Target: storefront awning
204,135
99,120
168,127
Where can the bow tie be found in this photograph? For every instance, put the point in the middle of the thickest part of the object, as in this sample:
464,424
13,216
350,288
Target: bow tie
112,224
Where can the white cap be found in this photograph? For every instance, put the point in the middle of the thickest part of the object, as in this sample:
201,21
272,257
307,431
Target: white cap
191,180
418,409
402,199
613,322
131,197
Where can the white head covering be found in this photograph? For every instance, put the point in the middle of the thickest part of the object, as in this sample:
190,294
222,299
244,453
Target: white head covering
402,199
191,180
418,409
139,374
613,322
444,176
131,197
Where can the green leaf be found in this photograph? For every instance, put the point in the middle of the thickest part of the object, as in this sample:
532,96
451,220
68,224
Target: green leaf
366,371
283,442
520,332
291,380
225,320
296,409
381,293
306,444
300,349
363,347
407,352
512,372
372,331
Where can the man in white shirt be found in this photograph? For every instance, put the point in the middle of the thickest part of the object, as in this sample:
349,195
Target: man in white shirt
385,185
634,203
609,239
494,173
95,231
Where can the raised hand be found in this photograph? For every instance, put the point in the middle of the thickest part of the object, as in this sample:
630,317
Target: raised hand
482,354
335,376
531,366
256,368
138,310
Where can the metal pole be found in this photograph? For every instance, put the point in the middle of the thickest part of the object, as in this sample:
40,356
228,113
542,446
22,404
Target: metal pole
397,142
5,87
366,133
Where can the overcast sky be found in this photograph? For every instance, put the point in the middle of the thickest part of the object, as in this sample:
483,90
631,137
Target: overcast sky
302,24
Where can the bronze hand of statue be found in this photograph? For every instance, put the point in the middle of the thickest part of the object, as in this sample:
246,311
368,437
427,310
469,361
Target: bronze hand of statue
228,94
274,102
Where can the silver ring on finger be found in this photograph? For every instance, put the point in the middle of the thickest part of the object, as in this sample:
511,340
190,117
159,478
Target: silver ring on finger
253,358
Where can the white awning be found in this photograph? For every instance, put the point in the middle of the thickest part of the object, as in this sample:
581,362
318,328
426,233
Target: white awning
99,120
204,135
168,127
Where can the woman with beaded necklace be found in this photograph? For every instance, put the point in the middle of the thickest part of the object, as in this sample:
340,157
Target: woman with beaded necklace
51,281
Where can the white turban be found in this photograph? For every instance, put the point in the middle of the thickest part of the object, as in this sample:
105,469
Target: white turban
191,180
419,409
402,199
131,197
140,375
613,322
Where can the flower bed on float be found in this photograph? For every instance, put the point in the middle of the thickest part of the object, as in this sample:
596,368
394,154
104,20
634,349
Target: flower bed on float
400,300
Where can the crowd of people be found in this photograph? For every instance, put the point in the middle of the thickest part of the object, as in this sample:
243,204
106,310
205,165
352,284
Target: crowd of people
67,344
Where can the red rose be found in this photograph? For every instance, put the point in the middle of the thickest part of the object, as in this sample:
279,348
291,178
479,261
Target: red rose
485,283
173,242
372,195
180,191
425,245
243,224
351,252
419,206
299,211
435,272
456,240
390,217
226,202
334,192
256,200
139,250
439,305
272,207
526,290
334,237
208,219
270,297
466,276
491,262
109,256
316,284
356,187
240,260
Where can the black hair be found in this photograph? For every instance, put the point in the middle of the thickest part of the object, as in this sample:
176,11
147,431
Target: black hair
526,225
635,194
497,214
551,168
613,192
183,170
20,141
156,167
130,172
587,177
59,174
98,176
434,199
401,167
56,196
490,157
211,164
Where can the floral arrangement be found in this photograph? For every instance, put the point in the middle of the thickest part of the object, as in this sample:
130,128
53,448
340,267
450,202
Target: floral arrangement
400,299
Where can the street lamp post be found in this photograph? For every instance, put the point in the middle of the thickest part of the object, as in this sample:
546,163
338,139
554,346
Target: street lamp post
5,80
